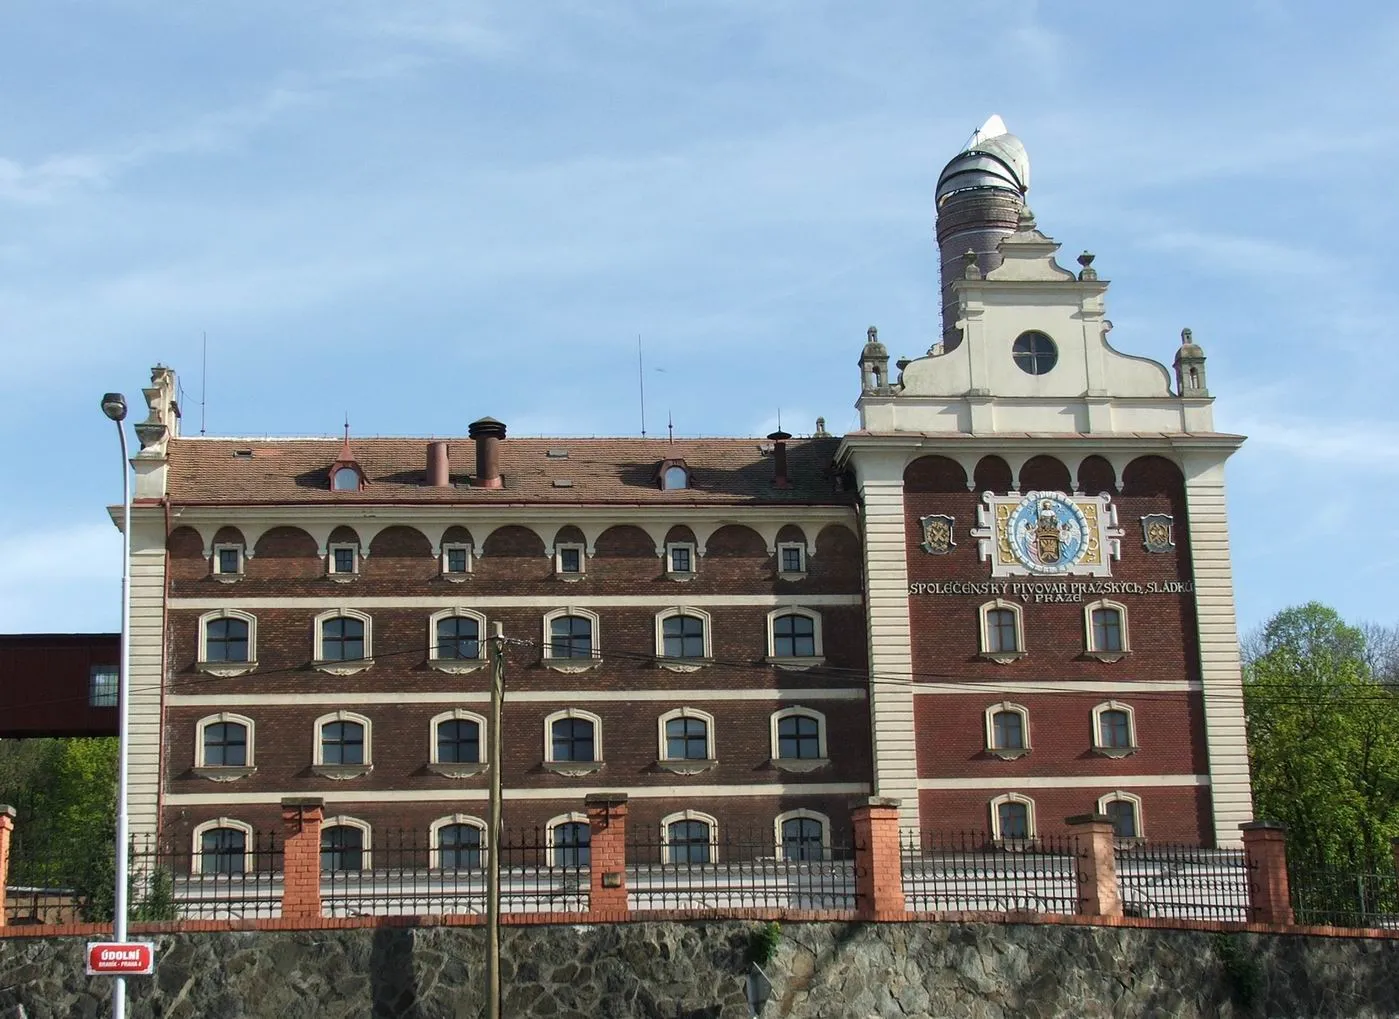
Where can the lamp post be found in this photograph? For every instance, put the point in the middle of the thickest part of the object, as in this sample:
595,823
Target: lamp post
114,406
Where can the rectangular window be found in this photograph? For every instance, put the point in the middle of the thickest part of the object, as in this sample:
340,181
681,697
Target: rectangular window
342,559
457,559
1107,630
1014,820
681,558
1001,635
228,560
793,558
102,686
686,739
568,560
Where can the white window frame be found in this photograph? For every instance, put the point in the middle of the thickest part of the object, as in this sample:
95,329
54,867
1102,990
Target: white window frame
681,765
690,815
1007,753
1131,714
197,840
798,663
1089,644
1031,821
456,665
1132,798
330,559
572,767
346,667
675,465
434,832
684,664
224,772
226,546
573,546
802,814
366,857
342,771
798,763
227,669
983,623
573,817
675,574
571,664
458,546
800,546
457,769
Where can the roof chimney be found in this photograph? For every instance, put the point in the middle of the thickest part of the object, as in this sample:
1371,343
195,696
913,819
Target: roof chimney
487,433
439,471
779,459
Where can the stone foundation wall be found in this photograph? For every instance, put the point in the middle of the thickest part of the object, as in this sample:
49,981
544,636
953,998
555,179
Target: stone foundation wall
698,971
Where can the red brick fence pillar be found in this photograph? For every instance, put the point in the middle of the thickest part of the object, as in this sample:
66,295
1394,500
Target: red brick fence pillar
1096,874
7,825
879,883
1265,851
301,857
607,855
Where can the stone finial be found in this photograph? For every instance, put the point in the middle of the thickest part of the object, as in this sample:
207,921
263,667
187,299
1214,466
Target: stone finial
1190,366
821,432
163,417
1026,221
1086,260
970,271
874,364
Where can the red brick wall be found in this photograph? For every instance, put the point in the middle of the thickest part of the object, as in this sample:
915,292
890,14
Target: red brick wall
1161,635
1169,814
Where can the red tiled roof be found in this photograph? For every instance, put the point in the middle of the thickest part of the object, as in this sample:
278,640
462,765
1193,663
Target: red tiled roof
614,470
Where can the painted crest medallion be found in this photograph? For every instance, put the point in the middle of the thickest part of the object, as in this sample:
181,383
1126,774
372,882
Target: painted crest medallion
937,533
1048,533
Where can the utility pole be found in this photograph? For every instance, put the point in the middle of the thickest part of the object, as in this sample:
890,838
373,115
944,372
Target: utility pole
493,870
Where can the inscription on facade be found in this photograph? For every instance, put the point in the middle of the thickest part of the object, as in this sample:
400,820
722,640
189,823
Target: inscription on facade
1047,591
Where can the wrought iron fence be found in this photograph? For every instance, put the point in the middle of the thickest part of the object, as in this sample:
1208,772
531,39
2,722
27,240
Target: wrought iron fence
686,865
973,872
414,873
1183,882
1337,898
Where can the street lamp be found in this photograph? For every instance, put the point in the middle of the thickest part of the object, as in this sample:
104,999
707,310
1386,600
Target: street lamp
114,406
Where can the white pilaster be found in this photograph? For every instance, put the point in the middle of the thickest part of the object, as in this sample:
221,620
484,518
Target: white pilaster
890,649
147,669
1226,738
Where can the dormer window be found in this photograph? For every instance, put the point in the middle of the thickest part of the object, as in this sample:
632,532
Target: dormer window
674,475
345,478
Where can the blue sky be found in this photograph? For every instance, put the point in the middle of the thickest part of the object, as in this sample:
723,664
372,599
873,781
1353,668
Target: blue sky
422,212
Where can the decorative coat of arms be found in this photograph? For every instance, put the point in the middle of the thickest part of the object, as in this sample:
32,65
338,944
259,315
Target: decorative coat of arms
1048,534
1158,534
937,534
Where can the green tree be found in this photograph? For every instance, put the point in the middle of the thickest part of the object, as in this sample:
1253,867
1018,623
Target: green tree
1323,740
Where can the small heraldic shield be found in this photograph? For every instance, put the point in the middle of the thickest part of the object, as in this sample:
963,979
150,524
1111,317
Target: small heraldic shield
1157,533
937,534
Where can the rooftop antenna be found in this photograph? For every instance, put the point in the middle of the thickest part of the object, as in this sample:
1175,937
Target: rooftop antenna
641,383
203,378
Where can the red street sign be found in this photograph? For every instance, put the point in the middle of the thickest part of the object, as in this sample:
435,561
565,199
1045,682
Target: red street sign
120,958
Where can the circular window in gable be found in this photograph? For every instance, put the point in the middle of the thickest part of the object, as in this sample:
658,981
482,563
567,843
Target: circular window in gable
1035,353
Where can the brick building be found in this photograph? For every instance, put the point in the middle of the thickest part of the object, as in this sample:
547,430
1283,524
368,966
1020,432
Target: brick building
1005,599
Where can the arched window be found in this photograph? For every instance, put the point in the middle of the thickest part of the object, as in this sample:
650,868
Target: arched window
1012,817
572,736
343,745
682,637
1007,730
1114,729
1002,631
225,745
457,637
570,635
1125,811
675,476
344,844
798,738
794,635
1105,624
570,841
458,741
342,639
223,846
227,642
689,837
803,836
458,843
